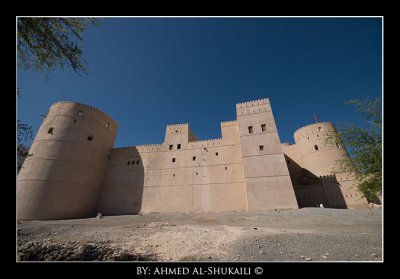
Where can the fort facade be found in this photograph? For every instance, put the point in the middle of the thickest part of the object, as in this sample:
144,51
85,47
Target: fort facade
73,171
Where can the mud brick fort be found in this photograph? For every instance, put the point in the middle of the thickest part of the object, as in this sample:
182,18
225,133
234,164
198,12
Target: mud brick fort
73,171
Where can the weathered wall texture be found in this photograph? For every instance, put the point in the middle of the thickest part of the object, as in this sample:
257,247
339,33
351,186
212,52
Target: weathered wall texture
180,175
62,174
267,179
72,170
313,166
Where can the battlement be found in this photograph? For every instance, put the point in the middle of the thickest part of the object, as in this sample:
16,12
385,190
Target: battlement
207,143
228,123
85,105
252,103
311,126
177,125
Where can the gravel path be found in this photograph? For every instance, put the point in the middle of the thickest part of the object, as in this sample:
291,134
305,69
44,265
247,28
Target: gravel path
308,234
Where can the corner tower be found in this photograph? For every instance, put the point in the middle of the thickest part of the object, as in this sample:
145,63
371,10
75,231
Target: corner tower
61,177
266,175
320,156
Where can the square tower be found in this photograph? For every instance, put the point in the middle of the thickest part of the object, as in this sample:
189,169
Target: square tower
268,183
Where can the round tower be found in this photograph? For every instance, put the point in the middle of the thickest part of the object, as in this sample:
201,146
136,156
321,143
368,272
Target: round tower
62,175
318,154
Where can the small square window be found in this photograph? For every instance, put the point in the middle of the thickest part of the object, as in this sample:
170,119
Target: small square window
216,153
194,158
137,162
129,162
173,160
171,146
226,168
250,129
263,127
173,175
90,138
179,146
50,131
197,173
261,147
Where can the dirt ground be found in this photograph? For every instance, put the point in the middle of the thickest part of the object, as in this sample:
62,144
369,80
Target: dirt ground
308,234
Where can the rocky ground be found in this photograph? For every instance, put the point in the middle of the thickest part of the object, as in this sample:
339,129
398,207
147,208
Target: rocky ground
308,234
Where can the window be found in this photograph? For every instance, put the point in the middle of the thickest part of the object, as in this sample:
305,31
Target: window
179,146
74,120
316,147
263,127
194,158
288,161
129,162
317,136
107,125
226,168
216,153
50,131
337,145
250,129
308,137
90,138
137,162
173,160
171,146
319,128
197,173
173,175
261,147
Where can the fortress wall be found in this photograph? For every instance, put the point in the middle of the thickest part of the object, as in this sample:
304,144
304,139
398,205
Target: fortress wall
311,195
351,195
72,171
267,179
213,181
61,177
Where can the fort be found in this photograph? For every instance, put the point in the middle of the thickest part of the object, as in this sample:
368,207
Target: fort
73,171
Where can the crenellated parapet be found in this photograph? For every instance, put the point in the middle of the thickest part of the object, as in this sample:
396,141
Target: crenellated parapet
82,112
252,103
315,128
207,143
229,123
253,107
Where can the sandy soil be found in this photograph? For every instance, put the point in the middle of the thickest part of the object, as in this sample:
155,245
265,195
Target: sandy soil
308,234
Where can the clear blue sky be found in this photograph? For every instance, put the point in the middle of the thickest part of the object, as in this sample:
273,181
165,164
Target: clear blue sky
150,72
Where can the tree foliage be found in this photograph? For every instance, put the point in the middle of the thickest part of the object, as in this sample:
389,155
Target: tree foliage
365,148
46,43
24,132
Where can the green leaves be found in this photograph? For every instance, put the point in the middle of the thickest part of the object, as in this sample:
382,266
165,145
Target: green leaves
46,43
24,132
365,148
